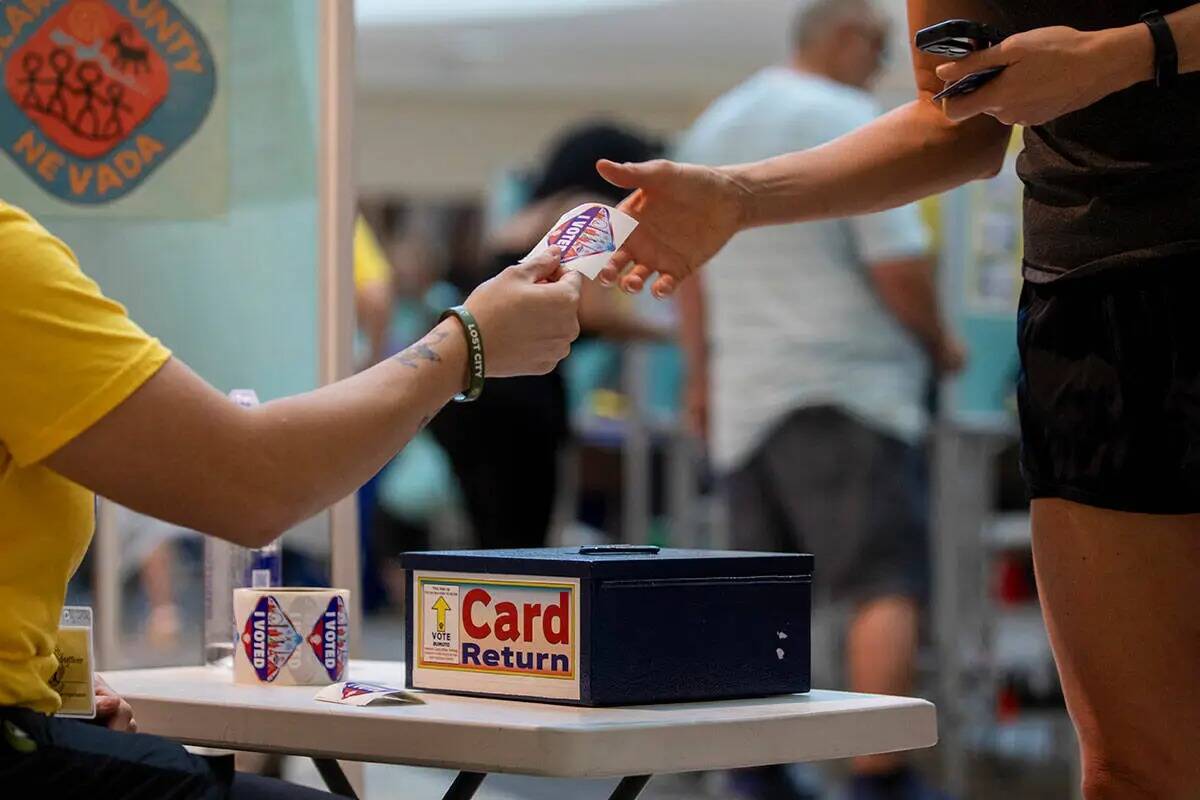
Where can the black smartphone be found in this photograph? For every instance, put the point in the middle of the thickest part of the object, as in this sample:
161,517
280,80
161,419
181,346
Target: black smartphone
968,83
958,38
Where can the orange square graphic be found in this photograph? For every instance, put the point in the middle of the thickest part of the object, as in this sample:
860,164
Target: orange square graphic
87,78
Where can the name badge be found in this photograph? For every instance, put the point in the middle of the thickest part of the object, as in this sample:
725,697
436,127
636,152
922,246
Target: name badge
75,678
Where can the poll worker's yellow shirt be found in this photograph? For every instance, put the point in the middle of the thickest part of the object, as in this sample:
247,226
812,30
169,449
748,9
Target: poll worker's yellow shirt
68,356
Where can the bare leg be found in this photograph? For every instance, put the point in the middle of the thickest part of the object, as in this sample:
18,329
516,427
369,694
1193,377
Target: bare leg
881,648
156,575
1120,594
162,627
395,578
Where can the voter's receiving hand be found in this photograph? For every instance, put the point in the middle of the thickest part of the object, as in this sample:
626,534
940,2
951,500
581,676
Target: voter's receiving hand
111,709
528,316
685,213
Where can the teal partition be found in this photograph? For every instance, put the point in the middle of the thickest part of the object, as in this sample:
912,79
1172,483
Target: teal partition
216,253
982,244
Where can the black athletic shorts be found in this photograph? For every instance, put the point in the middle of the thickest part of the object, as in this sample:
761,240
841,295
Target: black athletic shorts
1109,390
48,757
856,498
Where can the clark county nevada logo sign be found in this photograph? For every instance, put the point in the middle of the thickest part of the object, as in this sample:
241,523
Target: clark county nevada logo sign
99,93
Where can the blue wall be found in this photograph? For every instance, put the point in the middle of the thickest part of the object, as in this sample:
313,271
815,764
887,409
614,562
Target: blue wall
234,296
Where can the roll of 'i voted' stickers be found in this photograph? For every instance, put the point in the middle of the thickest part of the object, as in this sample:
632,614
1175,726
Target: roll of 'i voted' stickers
291,637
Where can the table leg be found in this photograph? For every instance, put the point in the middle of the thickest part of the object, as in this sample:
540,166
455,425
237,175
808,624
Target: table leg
335,779
630,788
464,786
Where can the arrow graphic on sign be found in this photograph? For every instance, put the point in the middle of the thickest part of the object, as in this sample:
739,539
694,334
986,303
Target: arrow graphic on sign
441,607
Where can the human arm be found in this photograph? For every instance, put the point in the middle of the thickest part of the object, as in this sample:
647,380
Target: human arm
906,287
693,341
178,450
688,212
1185,27
1056,70
893,247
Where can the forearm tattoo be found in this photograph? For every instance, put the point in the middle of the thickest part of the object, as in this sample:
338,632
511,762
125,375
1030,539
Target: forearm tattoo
421,351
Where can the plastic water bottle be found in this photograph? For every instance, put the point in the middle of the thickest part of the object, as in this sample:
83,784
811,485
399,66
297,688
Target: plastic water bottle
228,566
225,566
266,567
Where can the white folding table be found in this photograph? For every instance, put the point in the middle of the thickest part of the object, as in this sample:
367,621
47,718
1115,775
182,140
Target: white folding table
202,706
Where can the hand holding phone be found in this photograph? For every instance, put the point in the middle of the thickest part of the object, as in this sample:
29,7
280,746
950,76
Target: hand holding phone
958,38
967,84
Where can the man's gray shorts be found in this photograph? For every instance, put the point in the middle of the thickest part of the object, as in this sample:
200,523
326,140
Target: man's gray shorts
824,483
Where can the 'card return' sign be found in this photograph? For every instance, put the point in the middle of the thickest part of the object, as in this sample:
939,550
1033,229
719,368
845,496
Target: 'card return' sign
516,635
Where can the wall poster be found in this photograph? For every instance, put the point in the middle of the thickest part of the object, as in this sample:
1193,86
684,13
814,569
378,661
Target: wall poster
114,106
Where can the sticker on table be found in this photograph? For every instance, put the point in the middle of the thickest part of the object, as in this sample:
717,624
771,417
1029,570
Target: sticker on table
515,635
360,693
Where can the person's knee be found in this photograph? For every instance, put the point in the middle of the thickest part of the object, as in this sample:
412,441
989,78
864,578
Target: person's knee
1148,776
891,606
1102,781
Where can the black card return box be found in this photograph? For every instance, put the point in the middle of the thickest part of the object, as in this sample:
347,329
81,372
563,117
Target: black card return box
608,625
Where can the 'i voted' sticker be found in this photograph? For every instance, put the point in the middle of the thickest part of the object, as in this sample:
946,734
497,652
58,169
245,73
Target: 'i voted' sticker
269,638
359,693
329,638
587,236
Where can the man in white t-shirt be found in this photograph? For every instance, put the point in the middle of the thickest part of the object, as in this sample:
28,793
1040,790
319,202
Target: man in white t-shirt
815,344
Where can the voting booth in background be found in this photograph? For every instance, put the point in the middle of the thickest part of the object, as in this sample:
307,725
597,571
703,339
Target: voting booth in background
196,156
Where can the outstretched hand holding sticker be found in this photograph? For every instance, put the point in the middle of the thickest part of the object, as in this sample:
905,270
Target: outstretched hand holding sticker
587,235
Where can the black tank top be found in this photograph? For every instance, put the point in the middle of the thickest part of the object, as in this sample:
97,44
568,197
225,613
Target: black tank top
1115,185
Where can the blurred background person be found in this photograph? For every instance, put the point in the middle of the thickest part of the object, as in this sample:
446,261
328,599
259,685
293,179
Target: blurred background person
149,545
418,487
372,292
373,302
815,342
506,448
